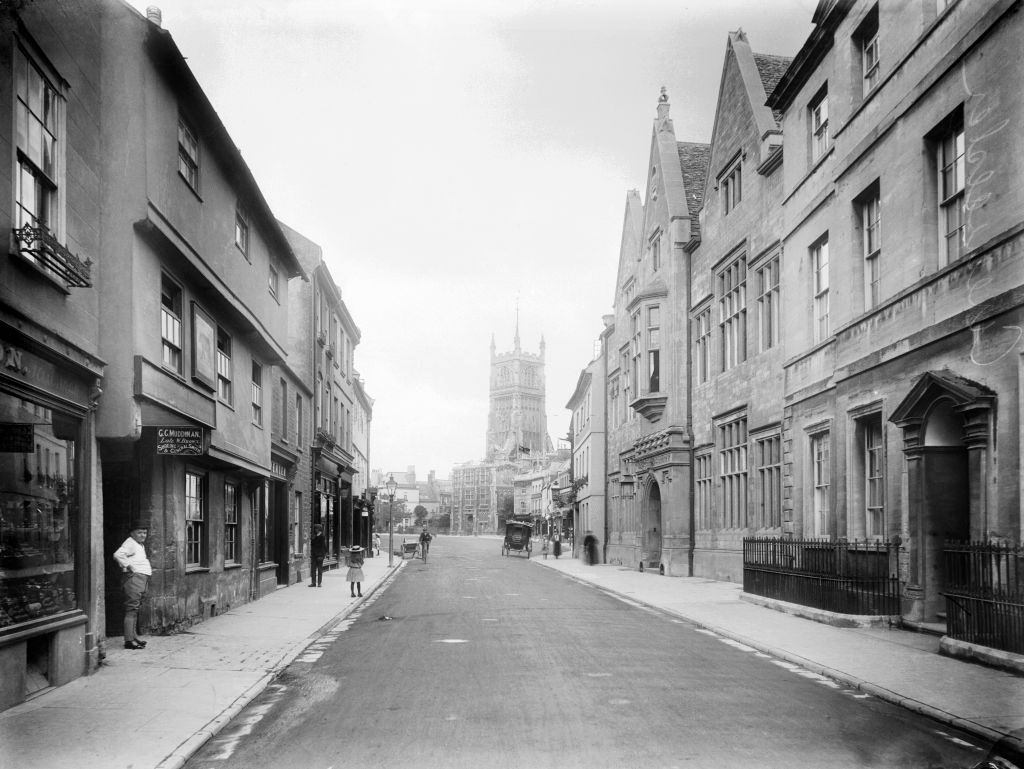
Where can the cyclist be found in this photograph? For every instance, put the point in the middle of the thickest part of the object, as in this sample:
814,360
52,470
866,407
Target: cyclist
425,542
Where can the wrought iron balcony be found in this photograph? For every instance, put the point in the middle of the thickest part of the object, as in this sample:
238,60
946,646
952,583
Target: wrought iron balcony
37,243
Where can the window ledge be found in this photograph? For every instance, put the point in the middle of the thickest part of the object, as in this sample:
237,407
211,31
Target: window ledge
650,406
197,570
28,264
232,566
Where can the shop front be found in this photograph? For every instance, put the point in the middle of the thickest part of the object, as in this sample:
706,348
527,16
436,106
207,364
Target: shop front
47,600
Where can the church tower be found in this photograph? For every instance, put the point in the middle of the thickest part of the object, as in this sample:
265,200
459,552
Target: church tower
518,413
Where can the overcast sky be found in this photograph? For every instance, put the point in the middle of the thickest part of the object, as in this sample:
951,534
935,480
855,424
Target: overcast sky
456,157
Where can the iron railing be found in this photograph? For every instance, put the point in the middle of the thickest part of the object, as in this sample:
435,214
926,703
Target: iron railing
985,594
847,577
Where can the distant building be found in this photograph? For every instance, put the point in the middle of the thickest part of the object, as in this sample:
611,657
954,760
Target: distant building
517,422
587,434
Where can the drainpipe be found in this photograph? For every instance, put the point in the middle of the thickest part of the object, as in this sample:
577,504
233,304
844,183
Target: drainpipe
689,412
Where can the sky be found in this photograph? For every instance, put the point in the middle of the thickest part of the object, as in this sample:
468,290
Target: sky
463,163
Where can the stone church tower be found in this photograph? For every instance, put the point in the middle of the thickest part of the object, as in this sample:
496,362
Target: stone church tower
518,414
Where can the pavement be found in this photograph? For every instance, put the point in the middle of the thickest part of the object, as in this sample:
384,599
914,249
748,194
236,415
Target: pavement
154,708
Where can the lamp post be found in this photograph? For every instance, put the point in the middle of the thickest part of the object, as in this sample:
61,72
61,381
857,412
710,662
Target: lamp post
392,487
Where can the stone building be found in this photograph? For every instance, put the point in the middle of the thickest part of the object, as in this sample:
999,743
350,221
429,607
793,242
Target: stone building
51,366
324,337
587,436
735,317
902,280
517,422
194,313
647,360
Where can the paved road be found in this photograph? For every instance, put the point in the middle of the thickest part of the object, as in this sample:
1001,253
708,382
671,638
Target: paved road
475,660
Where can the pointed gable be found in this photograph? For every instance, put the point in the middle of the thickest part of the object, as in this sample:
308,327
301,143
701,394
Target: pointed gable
630,244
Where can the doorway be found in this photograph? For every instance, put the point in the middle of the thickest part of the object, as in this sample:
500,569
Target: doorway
651,555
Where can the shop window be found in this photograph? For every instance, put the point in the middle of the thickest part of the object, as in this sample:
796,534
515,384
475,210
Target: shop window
231,523
39,511
170,323
195,520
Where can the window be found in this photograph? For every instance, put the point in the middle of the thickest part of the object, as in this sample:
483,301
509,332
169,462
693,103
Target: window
733,471
242,233
281,410
653,351
703,475
820,140
871,224
297,540
298,421
257,394
768,304
230,523
869,431
195,520
170,323
38,109
635,352
821,476
732,304
656,251
224,389
768,454
272,280
952,201
188,154
867,41
732,187
819,265
702,333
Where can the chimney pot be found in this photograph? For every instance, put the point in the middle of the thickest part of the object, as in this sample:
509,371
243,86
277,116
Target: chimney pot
154,15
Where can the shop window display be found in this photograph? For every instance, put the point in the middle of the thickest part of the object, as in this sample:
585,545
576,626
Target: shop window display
38,511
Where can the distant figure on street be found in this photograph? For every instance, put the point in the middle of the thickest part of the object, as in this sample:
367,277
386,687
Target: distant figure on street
354,561
135,573
544,546
590,548
376,542
317,553
557,546
425,538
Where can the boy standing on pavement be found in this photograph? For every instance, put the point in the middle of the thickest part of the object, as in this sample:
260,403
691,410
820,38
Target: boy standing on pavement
317,553
136,571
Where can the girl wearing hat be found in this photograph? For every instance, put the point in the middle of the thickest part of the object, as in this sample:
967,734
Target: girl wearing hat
354,560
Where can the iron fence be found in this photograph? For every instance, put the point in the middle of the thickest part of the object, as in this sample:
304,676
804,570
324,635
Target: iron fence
985,593
847,577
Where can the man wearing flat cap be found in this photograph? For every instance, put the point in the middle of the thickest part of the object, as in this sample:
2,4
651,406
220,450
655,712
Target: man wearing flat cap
135,574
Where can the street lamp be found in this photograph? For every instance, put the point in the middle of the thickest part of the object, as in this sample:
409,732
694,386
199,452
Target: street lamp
392,487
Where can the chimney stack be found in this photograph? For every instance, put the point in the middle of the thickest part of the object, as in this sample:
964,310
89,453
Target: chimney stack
154,15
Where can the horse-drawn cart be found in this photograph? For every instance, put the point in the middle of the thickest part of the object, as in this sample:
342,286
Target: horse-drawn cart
517,538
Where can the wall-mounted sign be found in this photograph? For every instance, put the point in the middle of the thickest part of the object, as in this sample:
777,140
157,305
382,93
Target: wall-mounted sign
17,438
179,440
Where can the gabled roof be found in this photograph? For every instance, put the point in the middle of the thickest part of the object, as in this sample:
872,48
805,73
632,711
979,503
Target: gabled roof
693,162
771,68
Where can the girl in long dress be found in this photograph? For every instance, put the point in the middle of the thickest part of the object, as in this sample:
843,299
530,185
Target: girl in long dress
354,560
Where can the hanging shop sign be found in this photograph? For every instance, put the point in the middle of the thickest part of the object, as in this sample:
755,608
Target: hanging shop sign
179,440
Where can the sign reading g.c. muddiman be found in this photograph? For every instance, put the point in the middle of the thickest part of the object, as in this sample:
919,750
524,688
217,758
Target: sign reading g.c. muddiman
179,440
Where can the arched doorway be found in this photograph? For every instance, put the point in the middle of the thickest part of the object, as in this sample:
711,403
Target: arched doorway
652,530
946,432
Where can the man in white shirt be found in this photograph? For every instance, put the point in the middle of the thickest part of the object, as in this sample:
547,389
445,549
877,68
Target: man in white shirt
136,570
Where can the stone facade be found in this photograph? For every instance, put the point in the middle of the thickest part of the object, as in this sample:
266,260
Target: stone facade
517,423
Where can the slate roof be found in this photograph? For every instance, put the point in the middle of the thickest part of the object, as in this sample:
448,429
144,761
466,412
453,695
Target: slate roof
693,160
771,68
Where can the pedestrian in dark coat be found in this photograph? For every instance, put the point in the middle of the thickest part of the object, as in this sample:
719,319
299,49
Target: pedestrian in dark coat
590,548
317,553
355,570
556,547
